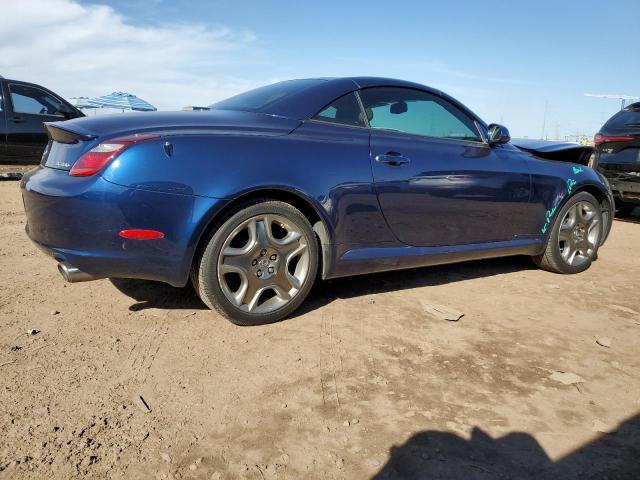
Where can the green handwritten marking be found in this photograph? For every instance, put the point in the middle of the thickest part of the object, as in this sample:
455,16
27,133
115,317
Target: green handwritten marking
570,184
577,170
550,213
548,216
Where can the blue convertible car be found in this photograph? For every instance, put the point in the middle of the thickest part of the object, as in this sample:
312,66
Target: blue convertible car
275,187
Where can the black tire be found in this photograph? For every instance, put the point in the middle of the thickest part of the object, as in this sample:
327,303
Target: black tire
552,259
205,277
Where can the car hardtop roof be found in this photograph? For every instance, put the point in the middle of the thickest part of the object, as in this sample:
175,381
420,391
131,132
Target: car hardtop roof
365,82
306,103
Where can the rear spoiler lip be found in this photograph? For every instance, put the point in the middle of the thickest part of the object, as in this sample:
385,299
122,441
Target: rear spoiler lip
64,134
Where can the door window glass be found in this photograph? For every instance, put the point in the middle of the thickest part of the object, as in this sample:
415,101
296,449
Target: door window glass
416,112
34,101
344,111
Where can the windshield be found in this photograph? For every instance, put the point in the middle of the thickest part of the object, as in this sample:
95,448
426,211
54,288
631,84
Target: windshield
261,100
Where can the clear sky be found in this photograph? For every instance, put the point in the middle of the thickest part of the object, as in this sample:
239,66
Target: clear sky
506,60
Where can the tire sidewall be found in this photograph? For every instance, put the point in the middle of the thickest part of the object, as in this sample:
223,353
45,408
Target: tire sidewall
208,285
553,238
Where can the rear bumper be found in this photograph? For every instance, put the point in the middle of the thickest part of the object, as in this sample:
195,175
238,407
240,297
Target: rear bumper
78,220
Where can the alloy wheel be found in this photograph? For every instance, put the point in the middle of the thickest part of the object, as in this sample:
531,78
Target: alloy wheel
579,234
263,263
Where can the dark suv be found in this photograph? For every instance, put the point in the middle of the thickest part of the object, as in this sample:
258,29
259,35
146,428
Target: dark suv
617,156
23,109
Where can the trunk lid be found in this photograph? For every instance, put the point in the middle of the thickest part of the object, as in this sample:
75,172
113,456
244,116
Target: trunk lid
71,139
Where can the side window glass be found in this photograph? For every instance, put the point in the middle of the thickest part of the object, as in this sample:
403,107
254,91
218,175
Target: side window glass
416,112
343,111
33,101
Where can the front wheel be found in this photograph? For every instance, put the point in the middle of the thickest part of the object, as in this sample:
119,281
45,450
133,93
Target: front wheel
575,237
259,264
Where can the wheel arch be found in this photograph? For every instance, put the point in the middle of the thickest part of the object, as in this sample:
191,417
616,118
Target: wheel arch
314,213
602,198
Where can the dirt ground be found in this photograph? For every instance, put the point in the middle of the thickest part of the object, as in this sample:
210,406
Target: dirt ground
134,379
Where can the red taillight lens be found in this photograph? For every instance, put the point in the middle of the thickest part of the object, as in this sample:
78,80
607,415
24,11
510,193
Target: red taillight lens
599,138
96,158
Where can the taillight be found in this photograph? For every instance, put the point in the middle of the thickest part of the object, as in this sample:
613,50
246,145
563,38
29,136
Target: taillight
96,158
599,138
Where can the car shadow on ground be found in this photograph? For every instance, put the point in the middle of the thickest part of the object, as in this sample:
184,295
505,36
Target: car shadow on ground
150,294
629,217
517,455
397,280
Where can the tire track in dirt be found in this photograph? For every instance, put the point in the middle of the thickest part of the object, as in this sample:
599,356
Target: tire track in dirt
330,362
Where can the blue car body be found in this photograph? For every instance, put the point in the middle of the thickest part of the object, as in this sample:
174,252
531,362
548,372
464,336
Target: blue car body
456,200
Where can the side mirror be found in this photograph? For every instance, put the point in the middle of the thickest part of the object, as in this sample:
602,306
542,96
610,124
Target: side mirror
498,134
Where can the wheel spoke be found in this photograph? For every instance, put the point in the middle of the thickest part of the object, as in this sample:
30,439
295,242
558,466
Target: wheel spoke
588,215
568,251
281,293
265,235
569,219
228,250
252,295
564,233
235,263
294,251
241,292
580,216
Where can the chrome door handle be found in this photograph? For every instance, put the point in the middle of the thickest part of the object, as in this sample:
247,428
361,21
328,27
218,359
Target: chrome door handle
392,158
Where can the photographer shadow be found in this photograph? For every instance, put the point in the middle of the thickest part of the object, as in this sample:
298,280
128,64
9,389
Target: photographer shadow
518,455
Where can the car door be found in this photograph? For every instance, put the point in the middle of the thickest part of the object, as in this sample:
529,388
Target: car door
28,107
438,182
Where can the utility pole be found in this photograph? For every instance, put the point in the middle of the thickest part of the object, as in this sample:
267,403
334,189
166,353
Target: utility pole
544,119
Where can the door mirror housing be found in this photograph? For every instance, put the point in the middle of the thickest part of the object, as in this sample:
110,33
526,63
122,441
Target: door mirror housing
498,134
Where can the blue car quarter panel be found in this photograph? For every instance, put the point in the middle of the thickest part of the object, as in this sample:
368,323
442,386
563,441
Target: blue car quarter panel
78,220
327,166
555,182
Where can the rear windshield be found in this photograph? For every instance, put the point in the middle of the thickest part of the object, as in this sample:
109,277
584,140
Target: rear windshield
261,100
623,120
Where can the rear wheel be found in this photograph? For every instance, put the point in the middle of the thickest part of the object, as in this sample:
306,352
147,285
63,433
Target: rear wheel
259,264
575,237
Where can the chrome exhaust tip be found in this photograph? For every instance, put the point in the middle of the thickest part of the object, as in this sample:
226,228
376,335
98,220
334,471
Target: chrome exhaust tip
72,274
